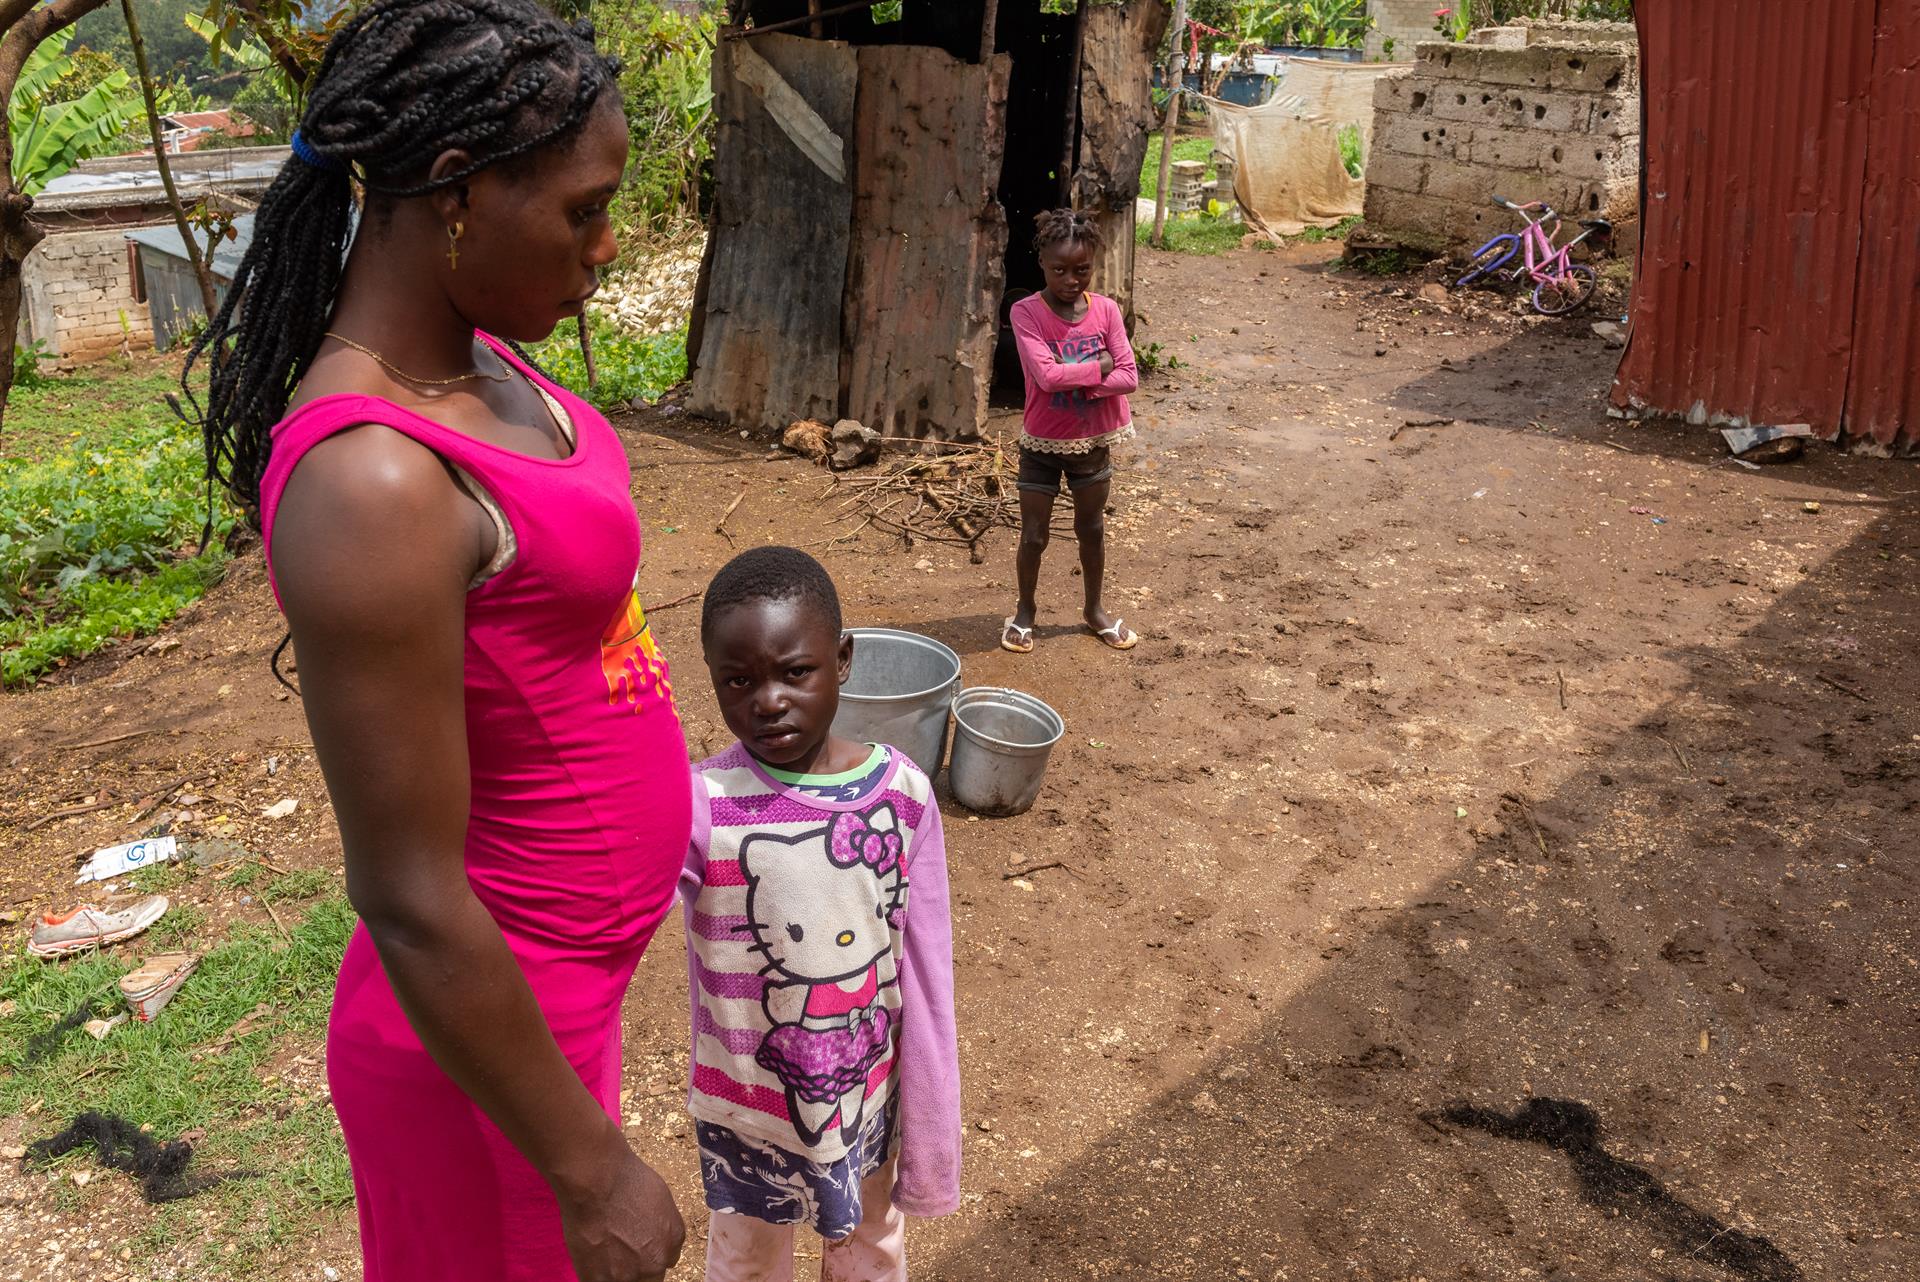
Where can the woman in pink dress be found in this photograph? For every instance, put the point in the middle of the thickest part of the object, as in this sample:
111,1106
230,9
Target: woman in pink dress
452,542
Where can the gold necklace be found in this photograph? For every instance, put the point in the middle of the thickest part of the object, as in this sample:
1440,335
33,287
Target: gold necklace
505,375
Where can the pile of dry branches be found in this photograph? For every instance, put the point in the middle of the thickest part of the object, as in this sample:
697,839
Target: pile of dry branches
952,493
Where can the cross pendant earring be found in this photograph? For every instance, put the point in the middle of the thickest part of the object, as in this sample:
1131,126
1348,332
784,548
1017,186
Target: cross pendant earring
453,245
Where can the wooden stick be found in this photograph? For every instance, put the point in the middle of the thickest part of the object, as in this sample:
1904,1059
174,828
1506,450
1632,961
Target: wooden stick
1561,677
732,507
677,601
989,29
1526,813
1176,85
1843,689
68,812
1022,872
152,800
1678,755
101,743
742,33
284,932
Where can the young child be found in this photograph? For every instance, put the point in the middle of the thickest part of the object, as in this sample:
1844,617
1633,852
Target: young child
1079,368
826,1077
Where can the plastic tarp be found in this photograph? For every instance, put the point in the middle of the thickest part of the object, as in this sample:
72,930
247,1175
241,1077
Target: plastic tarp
1288,175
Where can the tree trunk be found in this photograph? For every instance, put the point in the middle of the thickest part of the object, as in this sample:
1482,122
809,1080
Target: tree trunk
22,28
209,295
18,235
1176,85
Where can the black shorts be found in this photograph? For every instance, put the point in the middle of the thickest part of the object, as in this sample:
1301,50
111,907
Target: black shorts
1042,471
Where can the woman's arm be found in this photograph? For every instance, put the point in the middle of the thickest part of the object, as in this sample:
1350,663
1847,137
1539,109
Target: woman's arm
1043,369
928,1179
373,549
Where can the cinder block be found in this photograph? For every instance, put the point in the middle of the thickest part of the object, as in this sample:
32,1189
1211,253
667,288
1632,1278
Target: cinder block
1428,139
1407,94
1587,70
1615,117
1517,68
1428,219
1398,172
1451,61
1515,148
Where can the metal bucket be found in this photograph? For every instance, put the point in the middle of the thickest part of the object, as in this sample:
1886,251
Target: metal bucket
1000,749
899,691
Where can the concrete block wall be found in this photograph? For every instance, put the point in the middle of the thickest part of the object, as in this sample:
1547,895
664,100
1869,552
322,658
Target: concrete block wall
1507,115
77,286
1407,22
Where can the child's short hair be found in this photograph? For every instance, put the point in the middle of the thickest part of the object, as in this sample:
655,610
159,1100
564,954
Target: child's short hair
771,573
1061,226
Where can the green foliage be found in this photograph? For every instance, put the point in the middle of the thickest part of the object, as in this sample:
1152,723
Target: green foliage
1334,24
1319,235
1391,262
629,366
51,136
666,87
1459,21
1352,150
26,364
1155,356
98,522
1198,234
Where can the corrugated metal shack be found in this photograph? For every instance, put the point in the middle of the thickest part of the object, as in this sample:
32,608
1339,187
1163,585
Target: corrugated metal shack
876,186
1779,262
163,276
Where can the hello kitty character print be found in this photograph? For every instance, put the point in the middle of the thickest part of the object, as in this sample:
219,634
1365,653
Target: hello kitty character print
800,924
824,908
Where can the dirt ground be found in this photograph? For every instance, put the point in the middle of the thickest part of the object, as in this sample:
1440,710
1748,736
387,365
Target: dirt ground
1498,860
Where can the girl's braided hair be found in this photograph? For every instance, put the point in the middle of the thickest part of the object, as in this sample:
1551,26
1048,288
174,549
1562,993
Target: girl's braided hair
1064,226
403,82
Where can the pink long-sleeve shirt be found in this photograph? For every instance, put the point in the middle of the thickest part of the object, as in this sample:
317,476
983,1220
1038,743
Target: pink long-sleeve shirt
1071,407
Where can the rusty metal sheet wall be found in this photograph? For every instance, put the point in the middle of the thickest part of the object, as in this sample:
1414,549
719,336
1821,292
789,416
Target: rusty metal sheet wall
1883,394
1756,146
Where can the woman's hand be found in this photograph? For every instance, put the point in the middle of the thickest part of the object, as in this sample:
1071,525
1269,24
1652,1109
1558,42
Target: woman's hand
626,1229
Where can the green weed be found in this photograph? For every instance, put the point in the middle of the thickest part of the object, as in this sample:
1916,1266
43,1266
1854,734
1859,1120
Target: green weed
1320,235
1352,154
97,521
303,883
1199,234
629,366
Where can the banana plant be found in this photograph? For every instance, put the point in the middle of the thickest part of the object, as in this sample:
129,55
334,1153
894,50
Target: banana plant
50,138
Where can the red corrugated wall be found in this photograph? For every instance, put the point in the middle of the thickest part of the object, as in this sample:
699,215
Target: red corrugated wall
1780,250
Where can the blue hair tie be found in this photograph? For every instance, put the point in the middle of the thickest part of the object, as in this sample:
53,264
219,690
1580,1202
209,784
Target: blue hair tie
308,155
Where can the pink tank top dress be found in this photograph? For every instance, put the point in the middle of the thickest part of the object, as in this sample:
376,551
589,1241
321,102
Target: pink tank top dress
581,813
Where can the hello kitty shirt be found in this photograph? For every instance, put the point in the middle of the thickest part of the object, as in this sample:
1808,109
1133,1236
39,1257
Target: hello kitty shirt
820,961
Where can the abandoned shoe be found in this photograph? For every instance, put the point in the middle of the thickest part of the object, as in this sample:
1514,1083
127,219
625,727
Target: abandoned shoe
90,927
152,984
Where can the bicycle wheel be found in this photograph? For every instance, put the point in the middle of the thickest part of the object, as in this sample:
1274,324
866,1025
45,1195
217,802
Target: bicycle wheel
1558,296
1491,258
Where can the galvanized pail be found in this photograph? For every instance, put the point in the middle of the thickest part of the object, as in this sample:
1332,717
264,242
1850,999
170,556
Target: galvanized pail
1000,749
898,693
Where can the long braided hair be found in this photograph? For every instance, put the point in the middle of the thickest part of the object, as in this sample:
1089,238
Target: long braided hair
400,84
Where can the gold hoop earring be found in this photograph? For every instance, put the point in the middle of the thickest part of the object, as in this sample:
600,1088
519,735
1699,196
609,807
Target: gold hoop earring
454,233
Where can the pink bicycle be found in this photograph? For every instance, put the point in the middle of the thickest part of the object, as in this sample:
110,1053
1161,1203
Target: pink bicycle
1560,284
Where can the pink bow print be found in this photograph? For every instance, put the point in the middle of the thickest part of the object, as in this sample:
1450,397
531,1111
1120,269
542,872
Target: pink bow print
855,841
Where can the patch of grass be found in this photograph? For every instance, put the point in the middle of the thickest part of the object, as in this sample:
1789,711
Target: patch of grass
1389,262
160,879
302,883
1320,235
102,497
1199,234
183,924
1200,149
630,366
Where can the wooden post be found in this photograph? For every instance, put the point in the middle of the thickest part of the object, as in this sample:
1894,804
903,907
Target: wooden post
202,266
1065,171
815,29
1176,85
989,29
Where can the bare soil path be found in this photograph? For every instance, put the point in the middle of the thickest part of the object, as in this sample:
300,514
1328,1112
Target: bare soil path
1497,861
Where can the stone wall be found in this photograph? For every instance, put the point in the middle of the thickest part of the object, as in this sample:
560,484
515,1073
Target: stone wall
1407,22
77,287
1533,112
